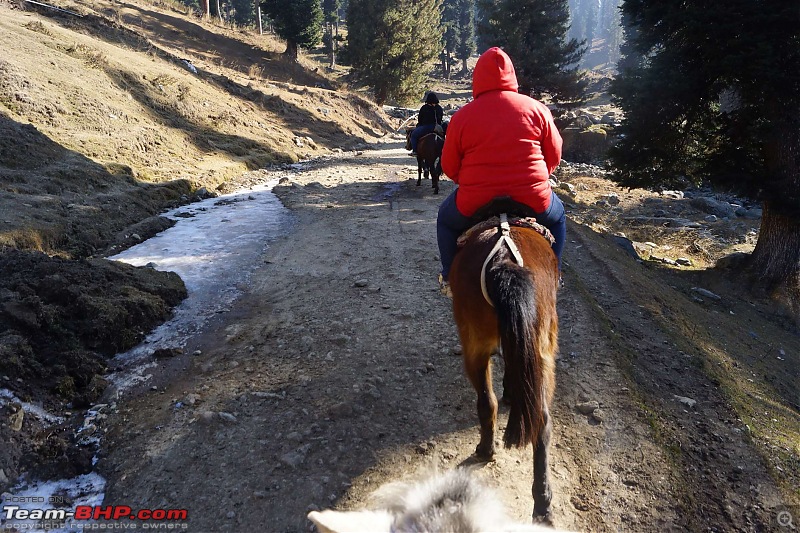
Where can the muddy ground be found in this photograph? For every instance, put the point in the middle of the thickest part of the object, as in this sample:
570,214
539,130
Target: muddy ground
340,370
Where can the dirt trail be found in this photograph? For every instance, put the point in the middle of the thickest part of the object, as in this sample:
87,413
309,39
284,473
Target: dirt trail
339,371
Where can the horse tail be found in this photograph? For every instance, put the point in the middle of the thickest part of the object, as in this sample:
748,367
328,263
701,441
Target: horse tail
513,293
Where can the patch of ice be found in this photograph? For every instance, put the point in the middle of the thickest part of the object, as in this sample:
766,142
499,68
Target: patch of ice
87,489
6,397
214,246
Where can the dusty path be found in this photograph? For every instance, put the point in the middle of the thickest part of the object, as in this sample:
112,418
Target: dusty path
339,371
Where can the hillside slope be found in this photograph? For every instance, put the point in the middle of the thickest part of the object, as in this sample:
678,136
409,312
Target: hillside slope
97,109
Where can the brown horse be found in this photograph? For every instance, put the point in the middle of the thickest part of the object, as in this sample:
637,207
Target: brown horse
429,159
504,295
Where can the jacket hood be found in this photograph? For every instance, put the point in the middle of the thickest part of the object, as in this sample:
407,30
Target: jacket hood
493,71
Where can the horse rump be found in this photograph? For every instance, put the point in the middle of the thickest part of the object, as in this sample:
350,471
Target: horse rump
429,159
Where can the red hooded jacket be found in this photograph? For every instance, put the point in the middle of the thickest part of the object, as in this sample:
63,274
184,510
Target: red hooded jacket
502,143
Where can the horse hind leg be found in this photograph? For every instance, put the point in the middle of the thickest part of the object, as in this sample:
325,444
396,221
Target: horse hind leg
542,492
420,166
479,372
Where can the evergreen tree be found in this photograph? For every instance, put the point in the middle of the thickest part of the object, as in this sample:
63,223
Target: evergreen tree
392,44
714,94
465,32
244,12
449,29
330,10
533,33
298,22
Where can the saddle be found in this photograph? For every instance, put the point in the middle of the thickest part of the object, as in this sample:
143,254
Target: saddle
518,214
495,215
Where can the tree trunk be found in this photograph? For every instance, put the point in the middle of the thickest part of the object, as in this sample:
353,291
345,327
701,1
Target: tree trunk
776,258
335,44
258,14
292,52
464,68
205,5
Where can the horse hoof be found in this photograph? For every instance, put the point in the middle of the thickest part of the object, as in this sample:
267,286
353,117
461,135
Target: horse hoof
481,452
506,399
435,191
543,519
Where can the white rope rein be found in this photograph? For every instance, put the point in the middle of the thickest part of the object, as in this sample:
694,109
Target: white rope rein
505,237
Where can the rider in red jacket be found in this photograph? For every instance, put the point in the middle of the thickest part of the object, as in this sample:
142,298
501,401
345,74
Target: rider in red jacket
501,144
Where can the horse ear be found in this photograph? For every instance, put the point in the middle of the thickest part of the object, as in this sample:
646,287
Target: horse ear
351,522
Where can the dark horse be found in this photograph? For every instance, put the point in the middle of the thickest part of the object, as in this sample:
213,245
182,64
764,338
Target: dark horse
504,282
429,155
429,159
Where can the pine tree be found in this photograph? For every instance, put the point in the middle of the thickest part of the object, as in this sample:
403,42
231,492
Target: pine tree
711,92
299,22
465,32
331,9
533,33
449,29
393,44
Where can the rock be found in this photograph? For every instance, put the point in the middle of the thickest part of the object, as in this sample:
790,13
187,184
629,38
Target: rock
582,122
163,353
686,401
684,261
675,195
449,454
712,206
706,293
3,477
425,448
192,399
579,503
227,417
361,283
272,395
752,214
297,457
570,188
598,415
16,419
626,245
584,146
587,408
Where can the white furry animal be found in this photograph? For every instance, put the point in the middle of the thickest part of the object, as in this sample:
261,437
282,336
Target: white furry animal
453,502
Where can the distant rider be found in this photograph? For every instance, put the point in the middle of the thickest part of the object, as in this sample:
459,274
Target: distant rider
430,115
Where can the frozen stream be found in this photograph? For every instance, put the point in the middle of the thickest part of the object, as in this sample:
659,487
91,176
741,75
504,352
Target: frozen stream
214,247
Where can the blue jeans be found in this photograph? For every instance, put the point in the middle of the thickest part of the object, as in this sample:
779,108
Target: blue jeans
418,132
450,224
